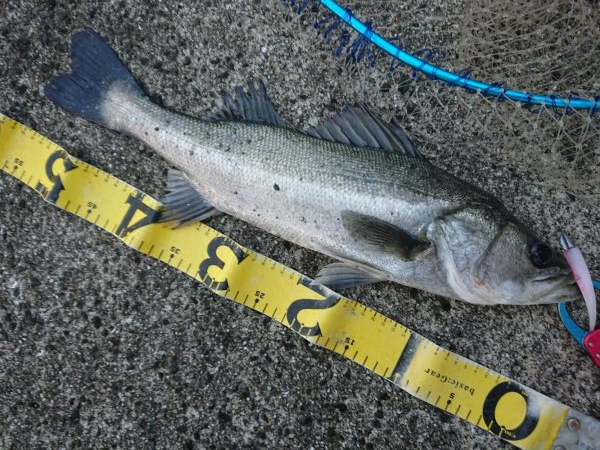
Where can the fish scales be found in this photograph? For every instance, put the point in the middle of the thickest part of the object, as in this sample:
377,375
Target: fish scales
237,164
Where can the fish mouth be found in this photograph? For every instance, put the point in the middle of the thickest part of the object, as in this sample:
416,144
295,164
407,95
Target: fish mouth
554,273
555,286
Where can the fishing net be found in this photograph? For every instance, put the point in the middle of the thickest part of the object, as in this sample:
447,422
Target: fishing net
536,46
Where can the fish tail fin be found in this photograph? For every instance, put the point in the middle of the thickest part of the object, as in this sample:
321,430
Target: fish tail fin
95,70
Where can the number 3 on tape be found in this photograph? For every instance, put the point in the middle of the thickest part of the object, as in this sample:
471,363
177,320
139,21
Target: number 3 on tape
214,260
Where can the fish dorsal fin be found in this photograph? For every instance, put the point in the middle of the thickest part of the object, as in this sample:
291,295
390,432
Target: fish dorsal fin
183,203
383,236
340,276
359,126
253,106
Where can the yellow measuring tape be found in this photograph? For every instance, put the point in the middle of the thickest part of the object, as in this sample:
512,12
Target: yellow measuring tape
461,387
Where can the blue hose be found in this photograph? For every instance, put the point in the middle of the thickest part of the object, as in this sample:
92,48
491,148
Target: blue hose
453,78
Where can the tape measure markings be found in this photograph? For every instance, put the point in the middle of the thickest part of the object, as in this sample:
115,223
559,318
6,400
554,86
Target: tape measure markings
450,382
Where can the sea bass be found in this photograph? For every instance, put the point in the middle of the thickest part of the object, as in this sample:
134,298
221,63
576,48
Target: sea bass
354,188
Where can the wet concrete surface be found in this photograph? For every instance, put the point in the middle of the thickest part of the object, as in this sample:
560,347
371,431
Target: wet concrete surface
102,347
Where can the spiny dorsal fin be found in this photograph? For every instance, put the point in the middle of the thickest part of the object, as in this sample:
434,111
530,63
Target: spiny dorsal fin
383,236
183,203
361,127
340,276
254,106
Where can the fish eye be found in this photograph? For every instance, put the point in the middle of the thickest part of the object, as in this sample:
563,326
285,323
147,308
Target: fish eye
541,255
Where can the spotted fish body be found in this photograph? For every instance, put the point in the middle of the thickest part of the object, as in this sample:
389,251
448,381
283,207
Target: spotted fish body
355,190
295,186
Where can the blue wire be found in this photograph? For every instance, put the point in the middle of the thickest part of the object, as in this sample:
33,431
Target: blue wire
575,330
453,78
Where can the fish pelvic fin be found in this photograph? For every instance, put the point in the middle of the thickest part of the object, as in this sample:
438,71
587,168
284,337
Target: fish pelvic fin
379,235
183,203
95,68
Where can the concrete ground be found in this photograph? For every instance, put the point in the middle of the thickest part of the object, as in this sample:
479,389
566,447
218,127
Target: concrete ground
102,347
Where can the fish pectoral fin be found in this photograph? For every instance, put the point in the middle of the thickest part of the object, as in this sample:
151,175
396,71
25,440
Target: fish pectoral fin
340,276
254,106
359,126
383,236
183,203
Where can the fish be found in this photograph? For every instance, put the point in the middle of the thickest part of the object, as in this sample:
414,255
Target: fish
354,188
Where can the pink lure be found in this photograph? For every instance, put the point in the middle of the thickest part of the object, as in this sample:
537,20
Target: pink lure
582,276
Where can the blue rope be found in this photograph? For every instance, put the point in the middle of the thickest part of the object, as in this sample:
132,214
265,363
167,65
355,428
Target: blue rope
457,79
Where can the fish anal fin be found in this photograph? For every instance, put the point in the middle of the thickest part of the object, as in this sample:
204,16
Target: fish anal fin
339,276
383,236
183,203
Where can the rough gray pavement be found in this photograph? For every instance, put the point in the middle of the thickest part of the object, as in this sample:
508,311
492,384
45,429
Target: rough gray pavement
102,347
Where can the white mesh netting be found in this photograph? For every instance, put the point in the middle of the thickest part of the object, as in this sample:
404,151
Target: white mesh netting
535,46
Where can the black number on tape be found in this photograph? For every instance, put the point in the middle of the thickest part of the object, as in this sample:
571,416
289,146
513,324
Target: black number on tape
298,306
57,185
136,204
489,413
214,260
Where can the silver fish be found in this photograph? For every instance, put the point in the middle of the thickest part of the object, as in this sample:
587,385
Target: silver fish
354,188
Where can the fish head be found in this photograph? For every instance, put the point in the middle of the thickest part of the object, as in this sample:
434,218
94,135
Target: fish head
491,258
